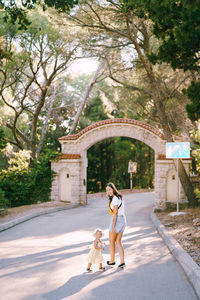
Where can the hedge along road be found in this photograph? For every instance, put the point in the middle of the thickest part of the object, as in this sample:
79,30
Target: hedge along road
45,257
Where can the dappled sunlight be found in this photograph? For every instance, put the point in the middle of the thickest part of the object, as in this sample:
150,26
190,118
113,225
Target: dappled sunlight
17,289
58,261
47,266
29,246
139,244
83,285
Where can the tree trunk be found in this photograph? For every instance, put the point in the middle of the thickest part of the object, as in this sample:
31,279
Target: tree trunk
44,129
158,101
186,184
86,96
184,179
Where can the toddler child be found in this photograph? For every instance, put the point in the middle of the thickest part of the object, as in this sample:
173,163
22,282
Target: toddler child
95,256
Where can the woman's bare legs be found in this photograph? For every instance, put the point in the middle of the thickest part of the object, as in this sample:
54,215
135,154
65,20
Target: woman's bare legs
120,247
112,240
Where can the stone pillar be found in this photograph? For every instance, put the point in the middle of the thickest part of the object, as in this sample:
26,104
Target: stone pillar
160,184
162,168
54,187
74,165
83,178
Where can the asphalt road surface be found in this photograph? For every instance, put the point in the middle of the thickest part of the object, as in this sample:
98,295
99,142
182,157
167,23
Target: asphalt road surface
45,258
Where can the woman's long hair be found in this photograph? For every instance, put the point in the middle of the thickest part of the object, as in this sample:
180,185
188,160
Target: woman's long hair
115,191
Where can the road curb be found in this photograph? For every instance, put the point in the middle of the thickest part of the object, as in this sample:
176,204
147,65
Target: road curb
25,218
191,269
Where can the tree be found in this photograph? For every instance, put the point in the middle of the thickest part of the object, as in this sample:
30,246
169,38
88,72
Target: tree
16,12
67,102
29,82
86,96
108,161
177,25
23,184
193,93
116,27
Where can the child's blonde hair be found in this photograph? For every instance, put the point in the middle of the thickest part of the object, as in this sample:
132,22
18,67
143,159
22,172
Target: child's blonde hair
96,230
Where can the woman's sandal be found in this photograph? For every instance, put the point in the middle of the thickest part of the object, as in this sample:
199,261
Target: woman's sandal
102,269
110,264
122,265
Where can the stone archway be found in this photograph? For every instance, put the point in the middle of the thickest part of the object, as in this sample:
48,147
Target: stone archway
74,155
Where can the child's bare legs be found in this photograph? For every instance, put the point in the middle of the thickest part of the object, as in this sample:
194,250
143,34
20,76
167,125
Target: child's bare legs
101,267
89,266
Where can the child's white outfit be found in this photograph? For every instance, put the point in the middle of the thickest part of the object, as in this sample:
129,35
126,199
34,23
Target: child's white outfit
95,256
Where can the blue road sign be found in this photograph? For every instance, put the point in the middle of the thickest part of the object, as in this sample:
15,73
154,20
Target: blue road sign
177,150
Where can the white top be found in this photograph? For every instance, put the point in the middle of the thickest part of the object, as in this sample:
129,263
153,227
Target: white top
117,201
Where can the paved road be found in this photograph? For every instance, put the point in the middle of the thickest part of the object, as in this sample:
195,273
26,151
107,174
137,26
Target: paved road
45,258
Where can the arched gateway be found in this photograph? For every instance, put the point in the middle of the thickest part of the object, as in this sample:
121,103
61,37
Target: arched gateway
71,168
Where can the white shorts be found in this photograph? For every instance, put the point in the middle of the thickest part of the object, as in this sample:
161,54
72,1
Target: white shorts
120,224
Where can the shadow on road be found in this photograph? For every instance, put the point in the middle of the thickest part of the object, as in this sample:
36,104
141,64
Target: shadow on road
76,283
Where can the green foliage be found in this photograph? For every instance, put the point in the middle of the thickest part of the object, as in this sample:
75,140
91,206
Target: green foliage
3,202
19,163
193,93
44,46
94,110
177,26
51,142
108,161
197,193
24,186
16,12
43,175
3,161
136,5
196,155
60,5
196,152
3,141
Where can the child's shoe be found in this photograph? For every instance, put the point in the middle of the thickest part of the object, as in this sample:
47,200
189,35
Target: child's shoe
88,270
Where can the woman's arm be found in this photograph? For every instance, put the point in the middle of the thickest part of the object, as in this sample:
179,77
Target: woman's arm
114,217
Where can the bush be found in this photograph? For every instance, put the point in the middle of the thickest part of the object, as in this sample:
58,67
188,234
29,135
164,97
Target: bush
3,202
170,206
197,193
23,186
43,176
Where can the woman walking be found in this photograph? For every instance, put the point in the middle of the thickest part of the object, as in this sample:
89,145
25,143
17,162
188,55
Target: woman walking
117,223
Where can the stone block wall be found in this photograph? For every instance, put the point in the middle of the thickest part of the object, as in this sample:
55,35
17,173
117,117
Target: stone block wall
74,166
161,171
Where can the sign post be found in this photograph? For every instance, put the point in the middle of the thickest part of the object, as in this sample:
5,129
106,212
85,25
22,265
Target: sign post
177,150
132,168
131,181
177,197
